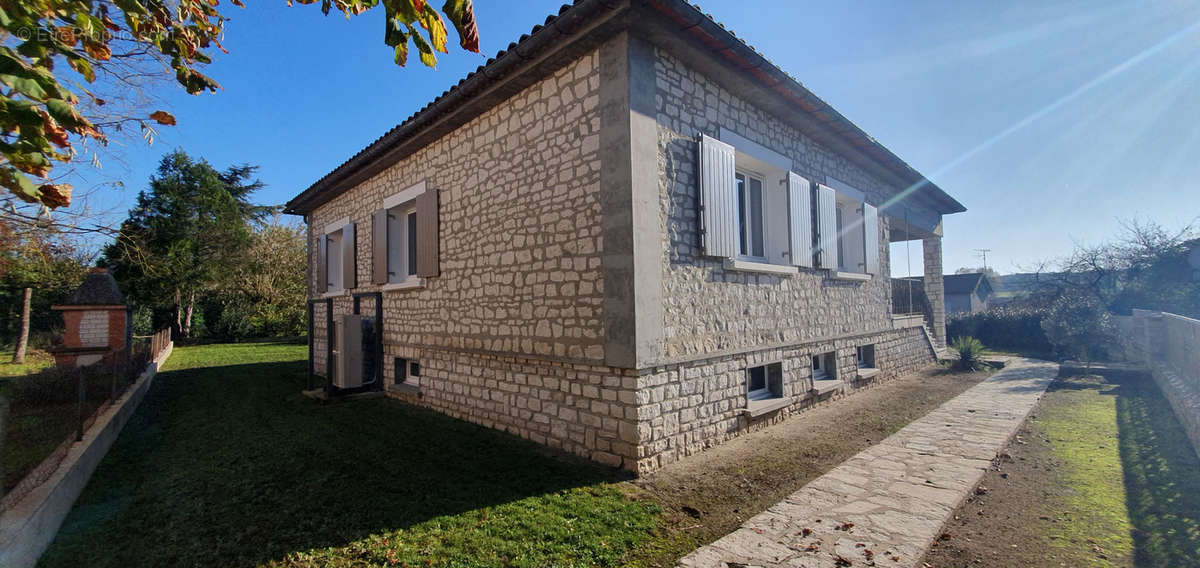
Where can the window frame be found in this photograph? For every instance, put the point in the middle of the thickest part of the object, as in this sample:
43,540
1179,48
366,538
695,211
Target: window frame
333,271
772,386
402,242
743,179
867,362
821,364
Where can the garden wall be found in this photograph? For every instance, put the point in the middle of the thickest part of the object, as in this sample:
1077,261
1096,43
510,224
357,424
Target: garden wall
1169,345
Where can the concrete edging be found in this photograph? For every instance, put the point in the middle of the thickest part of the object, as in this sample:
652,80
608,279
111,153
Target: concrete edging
28,528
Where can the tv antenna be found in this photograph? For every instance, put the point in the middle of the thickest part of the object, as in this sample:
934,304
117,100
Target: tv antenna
983,253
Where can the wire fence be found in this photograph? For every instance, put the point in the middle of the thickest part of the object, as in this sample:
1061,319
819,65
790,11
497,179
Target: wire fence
49,411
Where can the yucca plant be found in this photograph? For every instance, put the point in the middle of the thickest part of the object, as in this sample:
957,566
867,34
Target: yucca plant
970,353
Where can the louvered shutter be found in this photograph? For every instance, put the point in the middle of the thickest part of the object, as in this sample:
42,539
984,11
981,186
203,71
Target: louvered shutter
379,247
871,237
349,258
718,198
427,233
800,220
322,259
827,237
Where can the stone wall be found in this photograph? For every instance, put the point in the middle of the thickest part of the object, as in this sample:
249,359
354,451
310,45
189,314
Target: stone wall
686,408
520,228
707,308
510,335
1169,345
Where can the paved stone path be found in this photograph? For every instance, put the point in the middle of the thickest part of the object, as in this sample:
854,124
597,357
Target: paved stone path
884,506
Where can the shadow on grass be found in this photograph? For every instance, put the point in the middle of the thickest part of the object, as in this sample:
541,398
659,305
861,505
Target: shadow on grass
1161,470
1162,477
231,466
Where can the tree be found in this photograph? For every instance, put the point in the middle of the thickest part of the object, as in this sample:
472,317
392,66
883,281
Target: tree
47,263
263,293
46,109
1146,266
183,233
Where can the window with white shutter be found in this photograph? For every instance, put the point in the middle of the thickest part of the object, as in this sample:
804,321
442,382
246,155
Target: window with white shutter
871,237
800,220
718,198
827,233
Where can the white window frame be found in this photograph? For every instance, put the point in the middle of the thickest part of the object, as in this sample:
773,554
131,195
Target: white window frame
401,248
764,393
333,249
746,233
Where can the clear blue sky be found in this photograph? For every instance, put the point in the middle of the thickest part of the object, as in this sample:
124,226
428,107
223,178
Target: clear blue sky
1049,121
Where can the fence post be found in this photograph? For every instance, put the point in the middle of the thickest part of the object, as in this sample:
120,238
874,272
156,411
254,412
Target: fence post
82,396
3,418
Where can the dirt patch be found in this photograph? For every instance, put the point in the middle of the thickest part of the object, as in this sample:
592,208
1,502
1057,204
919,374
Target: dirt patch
708,495
1099,475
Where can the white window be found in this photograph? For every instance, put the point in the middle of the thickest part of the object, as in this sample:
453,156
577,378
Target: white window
750,215
764,382
851,252
402,242
406,371
754,211
333,262
848,229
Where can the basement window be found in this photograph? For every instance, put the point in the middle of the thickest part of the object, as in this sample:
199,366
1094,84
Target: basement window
764,382
866,356
824,367
406,371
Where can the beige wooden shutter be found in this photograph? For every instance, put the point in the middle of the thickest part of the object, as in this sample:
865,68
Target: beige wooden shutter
871,237
379,247
827,237
349,258
322,258
800,220
427,233
718,198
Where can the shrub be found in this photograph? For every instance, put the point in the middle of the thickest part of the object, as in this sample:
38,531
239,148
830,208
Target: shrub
1080,326
970,353
1005,329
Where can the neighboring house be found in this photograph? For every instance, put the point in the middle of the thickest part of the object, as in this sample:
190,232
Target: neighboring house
967,293
629,236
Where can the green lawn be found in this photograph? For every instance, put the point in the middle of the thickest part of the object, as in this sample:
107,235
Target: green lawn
1134,479
226,464
35,360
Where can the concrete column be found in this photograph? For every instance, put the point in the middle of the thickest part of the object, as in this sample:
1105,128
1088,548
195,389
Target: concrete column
934,291
629,187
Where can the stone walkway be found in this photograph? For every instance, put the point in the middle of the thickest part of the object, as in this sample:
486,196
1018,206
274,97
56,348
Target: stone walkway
884,506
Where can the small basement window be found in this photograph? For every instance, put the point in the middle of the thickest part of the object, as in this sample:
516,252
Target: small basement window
866,356
823,367
764,382
406,371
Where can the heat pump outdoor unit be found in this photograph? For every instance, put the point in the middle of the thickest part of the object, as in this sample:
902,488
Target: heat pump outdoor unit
348,352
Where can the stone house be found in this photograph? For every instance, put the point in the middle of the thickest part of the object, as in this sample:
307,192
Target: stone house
629,236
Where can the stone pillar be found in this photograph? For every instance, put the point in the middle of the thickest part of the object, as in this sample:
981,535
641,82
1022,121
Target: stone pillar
932,247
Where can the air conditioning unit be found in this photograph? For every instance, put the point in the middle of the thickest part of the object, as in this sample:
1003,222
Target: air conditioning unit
348,352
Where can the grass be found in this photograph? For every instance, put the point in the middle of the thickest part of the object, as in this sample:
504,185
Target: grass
35,360
39,422
1103,476
1135,475
225,463
1081,424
